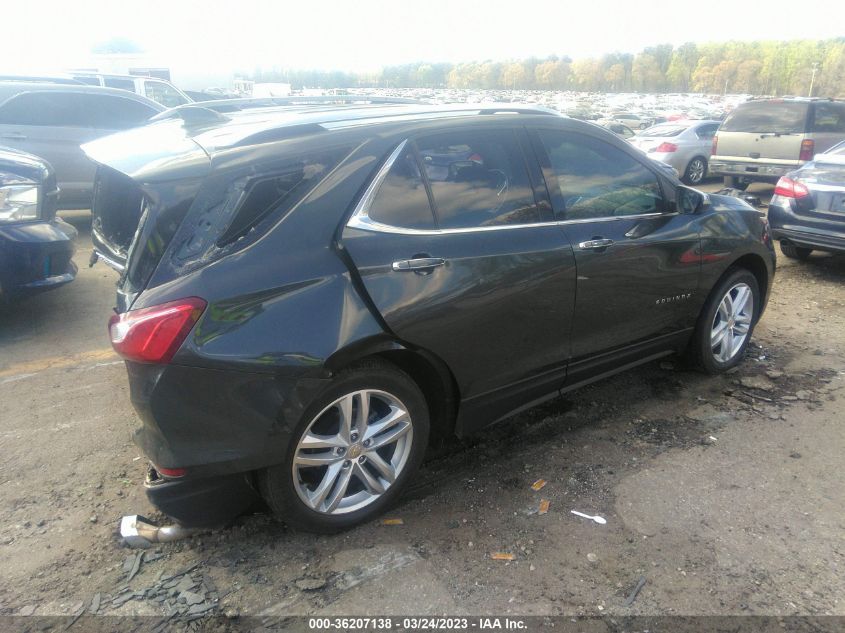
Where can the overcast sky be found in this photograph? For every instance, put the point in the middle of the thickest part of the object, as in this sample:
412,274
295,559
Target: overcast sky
362,35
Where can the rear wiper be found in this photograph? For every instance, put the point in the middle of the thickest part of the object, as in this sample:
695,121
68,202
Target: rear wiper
767,134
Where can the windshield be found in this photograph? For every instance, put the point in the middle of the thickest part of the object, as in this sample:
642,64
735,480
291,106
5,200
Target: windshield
663,130
784,117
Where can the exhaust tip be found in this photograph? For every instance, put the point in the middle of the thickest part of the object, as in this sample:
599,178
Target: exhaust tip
139,532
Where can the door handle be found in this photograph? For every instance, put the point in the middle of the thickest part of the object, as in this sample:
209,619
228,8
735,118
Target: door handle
595,244
13,135
420,264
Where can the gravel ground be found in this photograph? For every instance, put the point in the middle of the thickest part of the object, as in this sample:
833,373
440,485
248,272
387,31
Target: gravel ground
724,494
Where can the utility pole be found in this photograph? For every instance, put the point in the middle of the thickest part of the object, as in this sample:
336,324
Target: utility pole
813,78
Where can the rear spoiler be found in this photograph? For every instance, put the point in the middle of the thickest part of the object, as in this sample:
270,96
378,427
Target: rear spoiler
155,153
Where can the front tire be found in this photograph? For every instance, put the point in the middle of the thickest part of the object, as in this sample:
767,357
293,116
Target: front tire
727,322
353,451
795,252
696,171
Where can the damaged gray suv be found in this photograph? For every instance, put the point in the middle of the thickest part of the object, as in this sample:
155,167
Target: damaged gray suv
310,294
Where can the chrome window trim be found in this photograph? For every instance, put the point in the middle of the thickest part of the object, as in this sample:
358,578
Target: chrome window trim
360,218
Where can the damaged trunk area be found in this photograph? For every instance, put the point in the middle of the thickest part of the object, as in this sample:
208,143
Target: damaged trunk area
117,208
134,224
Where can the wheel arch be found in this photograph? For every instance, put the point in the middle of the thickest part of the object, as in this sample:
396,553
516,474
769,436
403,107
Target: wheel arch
426,369
756,265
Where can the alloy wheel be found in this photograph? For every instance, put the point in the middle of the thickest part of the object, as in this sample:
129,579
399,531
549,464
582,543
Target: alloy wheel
352,452
732,322
696,170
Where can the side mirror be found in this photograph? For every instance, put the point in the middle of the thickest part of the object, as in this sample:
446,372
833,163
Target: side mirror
689,201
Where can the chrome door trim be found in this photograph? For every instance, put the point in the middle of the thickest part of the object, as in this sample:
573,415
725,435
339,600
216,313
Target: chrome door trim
361,219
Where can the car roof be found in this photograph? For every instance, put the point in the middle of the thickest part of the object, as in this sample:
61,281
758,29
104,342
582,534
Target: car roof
213,130
9,89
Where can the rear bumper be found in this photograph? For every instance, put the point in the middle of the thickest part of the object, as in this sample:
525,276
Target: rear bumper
821,240
220,426
36,256
751,171
204,502
818,234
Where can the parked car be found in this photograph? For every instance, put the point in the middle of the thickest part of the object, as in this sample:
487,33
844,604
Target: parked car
158,90
685,145
807,210
762,140
53,120
633,121
36,247
310,296
620,129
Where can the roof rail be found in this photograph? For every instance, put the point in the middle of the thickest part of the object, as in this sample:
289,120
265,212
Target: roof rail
248,103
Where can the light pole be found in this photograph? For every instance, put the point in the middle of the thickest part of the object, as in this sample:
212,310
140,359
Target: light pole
813,78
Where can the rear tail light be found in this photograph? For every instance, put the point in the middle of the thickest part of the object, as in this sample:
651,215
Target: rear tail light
715,146
666,148
152,335
789,188
171,473
807,147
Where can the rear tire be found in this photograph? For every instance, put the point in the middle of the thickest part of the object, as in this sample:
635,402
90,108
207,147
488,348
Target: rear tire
696,171
735,182
800,253
358,474
724,328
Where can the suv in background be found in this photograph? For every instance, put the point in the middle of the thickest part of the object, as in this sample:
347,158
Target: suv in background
311,293
52,120
158,90
762,140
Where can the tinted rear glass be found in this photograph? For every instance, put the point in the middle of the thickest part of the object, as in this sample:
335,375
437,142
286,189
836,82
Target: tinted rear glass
781,117
478,178
402,199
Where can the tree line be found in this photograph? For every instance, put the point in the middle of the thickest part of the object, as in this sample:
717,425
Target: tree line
758,68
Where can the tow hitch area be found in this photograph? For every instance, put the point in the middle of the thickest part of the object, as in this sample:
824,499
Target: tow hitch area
140,532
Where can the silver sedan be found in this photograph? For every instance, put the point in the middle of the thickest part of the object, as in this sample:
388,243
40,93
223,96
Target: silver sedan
685,145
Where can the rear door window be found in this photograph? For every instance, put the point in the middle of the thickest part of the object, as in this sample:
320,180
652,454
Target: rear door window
116,113
594,179
478,178
778,117
402,200
829,117
706,132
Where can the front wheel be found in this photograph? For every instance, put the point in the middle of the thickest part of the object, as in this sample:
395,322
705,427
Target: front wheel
695,171
353,451
725,325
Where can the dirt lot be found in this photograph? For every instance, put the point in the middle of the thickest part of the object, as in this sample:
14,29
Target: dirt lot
726,494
